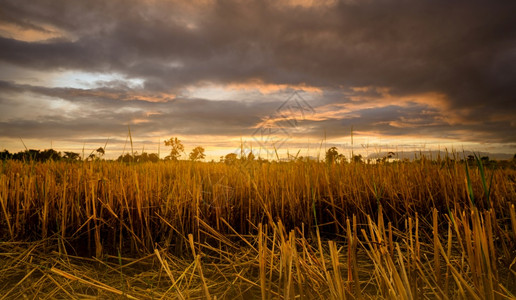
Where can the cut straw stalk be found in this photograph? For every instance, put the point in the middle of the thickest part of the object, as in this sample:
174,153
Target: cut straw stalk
90,282
199,267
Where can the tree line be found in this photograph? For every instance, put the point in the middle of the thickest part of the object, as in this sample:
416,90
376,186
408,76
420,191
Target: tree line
40,155
177,149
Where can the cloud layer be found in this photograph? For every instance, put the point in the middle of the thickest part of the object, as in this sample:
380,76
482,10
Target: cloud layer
429,69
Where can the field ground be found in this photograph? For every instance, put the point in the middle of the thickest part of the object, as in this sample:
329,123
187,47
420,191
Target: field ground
291,230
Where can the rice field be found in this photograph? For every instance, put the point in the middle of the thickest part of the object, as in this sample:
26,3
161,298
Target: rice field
257,230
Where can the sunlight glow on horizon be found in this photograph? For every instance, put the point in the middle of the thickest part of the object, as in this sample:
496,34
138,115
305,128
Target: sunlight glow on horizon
222,145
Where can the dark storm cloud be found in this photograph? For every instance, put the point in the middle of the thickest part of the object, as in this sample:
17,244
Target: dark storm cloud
401,44
465,50
416,120
98,112
109,111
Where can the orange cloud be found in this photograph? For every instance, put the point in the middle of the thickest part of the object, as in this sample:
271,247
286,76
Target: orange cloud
267,88
432,99
364,97
40,33
411,123
307,3
139,121
153,113
161,97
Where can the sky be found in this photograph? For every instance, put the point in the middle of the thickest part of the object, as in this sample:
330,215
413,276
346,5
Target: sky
265,76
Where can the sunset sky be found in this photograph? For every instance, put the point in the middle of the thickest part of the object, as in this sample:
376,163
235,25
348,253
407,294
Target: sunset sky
291,75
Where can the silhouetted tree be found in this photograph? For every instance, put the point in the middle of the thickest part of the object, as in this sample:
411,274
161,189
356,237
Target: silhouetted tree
48,154
197,153
138,158
5,155
333,156
230,158
71,156
125,158
27,155
177,148
153,157
357,158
